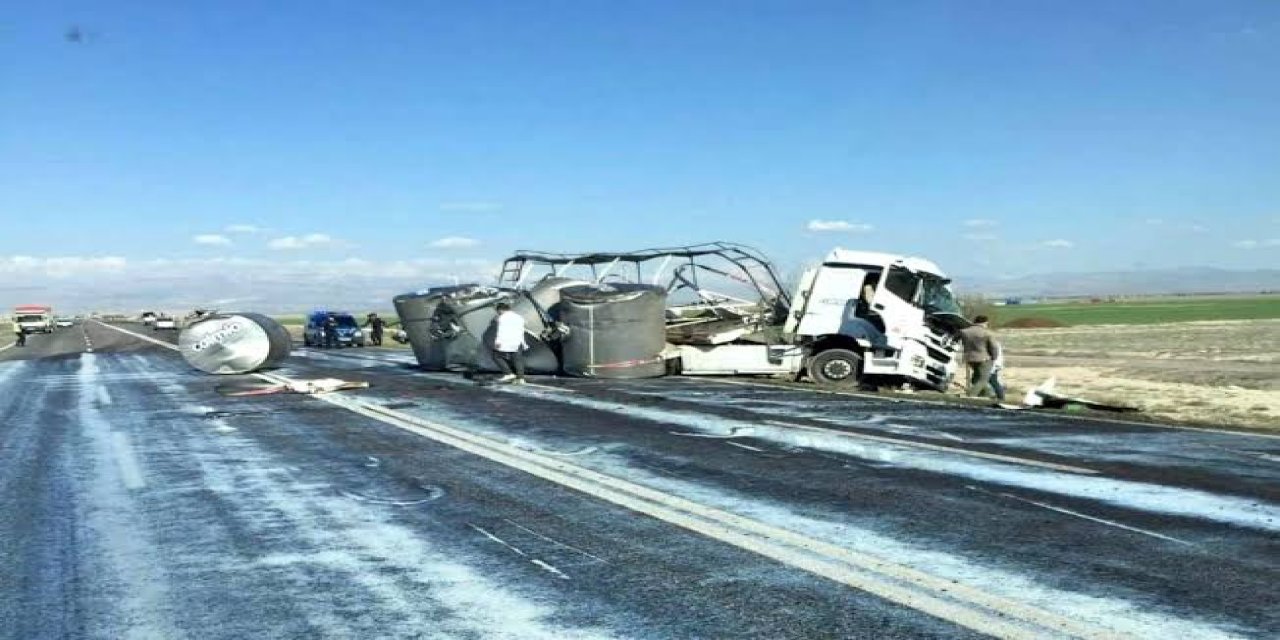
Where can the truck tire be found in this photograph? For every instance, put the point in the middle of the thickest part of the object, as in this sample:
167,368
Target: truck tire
836,368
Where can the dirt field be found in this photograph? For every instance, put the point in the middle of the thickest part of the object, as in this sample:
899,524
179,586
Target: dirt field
1215,373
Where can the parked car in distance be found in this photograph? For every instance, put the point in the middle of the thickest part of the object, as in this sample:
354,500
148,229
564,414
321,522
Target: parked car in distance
349,333
162,323
65,322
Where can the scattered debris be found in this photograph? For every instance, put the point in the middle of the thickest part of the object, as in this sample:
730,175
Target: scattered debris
321,385
1046,397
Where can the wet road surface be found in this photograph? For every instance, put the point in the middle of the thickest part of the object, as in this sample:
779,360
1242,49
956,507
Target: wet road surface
144,499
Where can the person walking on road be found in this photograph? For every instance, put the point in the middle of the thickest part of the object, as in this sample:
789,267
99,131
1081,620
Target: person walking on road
979,353
376,325
509,344
330,328
20,337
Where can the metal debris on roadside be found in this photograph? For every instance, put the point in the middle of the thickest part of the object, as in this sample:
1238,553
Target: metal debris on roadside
309,387
1045,396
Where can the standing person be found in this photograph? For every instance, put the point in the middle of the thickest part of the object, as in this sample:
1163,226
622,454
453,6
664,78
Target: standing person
997,365
375,325
979,353
509,344
21,337
330,327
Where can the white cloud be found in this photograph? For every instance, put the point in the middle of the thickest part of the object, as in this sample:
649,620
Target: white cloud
455,242
471,206
61,267
981,237
308,241
244,228
838,225
212,239
1256,244
980,223
236,284
1058,243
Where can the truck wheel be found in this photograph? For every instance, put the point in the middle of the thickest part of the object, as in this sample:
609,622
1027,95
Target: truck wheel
836,368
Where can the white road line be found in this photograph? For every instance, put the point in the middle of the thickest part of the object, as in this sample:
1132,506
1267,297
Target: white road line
172,347
130,470
536,562
104,397
939,403
745,446
554,571
1110,523
498,540
553,540
8,347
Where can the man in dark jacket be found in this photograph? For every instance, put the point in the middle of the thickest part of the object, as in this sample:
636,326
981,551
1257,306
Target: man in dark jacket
376,325
330,328
20,337
980,352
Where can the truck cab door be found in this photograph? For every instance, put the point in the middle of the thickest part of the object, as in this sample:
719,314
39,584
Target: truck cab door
821,307
896,301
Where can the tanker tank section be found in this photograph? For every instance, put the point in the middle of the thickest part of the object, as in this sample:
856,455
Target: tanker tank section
234,343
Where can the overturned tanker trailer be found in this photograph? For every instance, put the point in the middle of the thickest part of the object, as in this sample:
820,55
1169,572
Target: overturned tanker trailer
858,317
451,328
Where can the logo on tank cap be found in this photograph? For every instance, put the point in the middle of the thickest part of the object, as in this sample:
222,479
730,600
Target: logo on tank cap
220,336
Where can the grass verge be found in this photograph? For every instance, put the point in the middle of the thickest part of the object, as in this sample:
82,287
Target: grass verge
1145,311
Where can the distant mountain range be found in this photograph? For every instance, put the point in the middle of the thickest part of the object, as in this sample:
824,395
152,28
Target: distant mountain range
1184,280
373,291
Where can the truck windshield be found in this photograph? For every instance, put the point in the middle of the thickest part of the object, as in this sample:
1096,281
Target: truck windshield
938,299
30,319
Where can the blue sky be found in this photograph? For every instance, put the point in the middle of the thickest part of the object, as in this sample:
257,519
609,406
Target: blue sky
994,137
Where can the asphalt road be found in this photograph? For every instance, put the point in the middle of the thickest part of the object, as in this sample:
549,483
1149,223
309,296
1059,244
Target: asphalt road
141,498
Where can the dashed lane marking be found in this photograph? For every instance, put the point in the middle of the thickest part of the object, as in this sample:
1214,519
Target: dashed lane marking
1085,516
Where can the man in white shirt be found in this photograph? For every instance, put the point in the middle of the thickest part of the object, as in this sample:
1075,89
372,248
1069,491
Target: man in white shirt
509,344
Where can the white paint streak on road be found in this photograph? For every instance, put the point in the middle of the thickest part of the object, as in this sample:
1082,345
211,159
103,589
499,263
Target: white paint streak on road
953,405
745,446
104,397
130,470
958,603
135,586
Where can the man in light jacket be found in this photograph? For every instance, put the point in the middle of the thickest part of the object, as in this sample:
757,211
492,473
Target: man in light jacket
509,344
980,353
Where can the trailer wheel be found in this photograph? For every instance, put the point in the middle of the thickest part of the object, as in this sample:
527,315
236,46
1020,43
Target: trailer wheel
836,368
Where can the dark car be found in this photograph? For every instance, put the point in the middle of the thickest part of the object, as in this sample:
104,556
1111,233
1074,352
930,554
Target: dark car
349,333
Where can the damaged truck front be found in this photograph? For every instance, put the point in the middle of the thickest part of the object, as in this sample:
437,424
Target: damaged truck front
876,316
858,317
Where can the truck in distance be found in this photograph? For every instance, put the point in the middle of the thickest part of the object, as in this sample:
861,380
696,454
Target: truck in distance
33,318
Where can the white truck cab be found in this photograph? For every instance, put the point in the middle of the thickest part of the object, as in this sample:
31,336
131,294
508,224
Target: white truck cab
863,314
